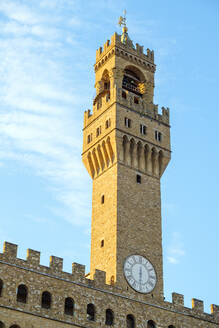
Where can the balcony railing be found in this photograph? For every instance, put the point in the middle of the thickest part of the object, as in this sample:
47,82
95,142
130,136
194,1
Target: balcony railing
131,87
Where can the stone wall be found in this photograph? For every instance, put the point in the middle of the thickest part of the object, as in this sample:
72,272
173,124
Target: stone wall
38,278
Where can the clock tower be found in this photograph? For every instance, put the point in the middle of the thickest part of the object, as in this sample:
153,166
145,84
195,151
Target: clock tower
126,149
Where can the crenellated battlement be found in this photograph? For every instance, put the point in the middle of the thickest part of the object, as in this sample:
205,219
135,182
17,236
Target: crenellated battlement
144,108
55,270
132,53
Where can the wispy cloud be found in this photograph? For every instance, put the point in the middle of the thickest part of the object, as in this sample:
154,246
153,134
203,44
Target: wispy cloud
38,116
175,251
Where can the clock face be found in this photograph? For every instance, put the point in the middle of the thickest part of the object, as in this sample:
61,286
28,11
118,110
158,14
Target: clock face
140,274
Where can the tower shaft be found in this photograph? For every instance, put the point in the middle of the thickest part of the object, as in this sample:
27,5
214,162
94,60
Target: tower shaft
126,149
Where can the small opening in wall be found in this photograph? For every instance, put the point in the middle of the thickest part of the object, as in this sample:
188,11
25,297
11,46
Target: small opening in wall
143,129
22,294
102,243
107,124
138,178
90,312
127,122
124,94
102,199
46,300
136,101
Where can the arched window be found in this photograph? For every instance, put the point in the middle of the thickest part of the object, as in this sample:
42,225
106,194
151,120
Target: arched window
151,324
69,306
91,312
22,292
46,300
171,326
109,317
15,326
133,80
2,325
1,288
130,320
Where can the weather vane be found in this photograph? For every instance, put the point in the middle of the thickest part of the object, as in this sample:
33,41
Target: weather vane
124,37
122,20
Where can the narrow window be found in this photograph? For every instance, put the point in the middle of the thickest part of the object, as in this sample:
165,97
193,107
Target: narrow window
2,325
138,178
136,101
102,199
69,306
151,324
130,321
46,300
90,312
98,132
107,124
109,317
127,122
143,129
124,94
159,136
89,138
102,243
22,294
1,288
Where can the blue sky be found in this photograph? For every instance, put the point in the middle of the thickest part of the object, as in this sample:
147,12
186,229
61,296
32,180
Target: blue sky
47,52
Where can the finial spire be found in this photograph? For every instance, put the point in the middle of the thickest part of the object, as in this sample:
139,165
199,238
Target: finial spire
124,37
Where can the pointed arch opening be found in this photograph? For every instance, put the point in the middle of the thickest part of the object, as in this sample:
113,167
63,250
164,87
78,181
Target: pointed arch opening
105,153
126,150
110,148
100,157
133,80
91,165
160,162
154,161
2,325
140,156
132,152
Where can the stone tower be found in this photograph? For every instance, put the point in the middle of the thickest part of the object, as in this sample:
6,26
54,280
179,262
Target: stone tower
126,148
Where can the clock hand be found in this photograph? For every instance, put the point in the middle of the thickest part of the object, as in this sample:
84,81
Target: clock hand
140,274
